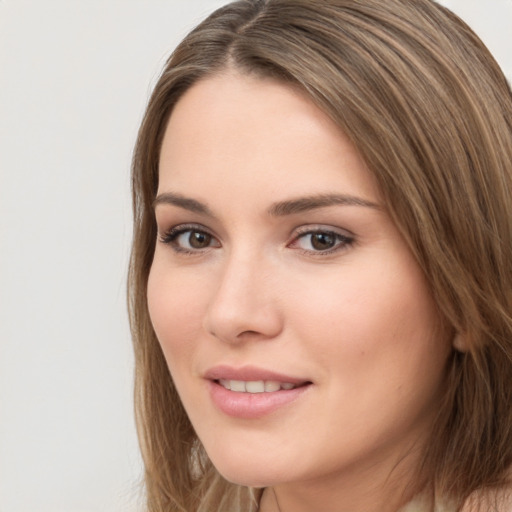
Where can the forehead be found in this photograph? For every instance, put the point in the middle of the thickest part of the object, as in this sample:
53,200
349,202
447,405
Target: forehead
250,133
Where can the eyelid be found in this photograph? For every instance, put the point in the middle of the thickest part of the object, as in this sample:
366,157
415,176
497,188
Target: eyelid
323,228
169,236
345,238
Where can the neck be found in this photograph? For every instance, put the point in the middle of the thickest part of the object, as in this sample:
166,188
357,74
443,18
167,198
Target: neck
373,490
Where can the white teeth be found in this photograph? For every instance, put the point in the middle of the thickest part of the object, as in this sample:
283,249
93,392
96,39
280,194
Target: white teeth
272,385
237,385
255,386
225,383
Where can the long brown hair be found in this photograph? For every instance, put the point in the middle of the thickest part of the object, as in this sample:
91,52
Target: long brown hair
431,113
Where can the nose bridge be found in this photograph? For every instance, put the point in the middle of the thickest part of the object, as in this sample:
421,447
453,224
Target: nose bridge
243,302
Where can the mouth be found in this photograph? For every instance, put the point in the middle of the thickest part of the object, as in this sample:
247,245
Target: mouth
257,386
251,393
250,379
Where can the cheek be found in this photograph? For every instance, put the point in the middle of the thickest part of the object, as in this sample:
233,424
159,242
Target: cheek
381,350
175,307
376,324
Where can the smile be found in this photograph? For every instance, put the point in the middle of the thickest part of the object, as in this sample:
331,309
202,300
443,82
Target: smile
256,386
249,392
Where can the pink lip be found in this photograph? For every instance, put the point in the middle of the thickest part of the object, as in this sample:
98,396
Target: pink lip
251,405
248,373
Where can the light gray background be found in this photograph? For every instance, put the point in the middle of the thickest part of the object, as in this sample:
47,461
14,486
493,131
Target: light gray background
74,79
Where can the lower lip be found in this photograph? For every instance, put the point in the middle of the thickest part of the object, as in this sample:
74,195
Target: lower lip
252,405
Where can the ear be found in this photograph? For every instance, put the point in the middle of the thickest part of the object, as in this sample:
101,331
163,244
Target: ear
460,342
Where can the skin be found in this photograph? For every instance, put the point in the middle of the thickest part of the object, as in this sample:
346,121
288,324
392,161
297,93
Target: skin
357,321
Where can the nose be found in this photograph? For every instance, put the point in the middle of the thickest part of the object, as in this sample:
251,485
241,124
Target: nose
244,305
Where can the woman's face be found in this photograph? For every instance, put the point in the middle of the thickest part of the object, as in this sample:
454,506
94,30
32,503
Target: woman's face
277,267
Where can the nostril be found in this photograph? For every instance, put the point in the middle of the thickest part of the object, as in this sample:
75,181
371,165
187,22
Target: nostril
237,313
248,334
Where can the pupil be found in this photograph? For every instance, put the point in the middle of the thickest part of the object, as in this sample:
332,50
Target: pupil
199,240
322,241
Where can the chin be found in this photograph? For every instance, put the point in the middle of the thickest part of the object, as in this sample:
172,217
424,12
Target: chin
244,475
248,473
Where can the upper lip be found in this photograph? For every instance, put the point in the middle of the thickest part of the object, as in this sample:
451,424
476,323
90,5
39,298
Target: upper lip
249,373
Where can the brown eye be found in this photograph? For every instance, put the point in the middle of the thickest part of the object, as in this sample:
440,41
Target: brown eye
188,239
199,240
323,241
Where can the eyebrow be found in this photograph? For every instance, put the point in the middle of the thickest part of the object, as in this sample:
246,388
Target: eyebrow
186,203
279,209
303,204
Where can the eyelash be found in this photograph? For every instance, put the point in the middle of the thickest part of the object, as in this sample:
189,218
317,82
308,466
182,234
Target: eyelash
342,241
170,237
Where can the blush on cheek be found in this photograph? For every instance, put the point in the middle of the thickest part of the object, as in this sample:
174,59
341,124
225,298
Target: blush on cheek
176,317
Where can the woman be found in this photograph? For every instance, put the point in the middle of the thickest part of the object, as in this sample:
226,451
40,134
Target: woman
321,275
